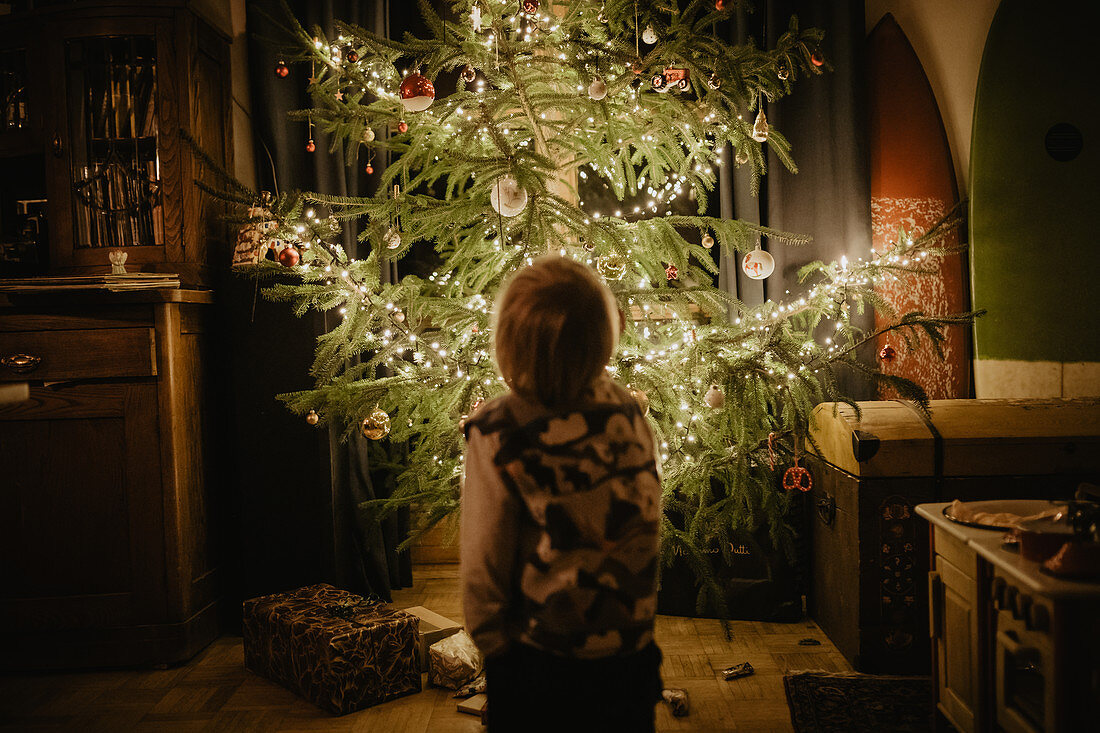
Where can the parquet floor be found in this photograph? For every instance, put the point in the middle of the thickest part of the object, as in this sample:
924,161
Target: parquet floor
214,692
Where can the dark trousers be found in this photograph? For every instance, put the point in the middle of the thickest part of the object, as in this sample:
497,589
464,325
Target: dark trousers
530,690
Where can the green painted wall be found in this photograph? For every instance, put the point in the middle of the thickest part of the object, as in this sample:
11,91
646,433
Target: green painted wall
1035,221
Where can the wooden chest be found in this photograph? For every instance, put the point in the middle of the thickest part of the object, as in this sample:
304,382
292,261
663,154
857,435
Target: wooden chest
869,556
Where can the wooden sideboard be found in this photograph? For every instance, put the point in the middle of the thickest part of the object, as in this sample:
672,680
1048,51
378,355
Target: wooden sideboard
1014,649
106,492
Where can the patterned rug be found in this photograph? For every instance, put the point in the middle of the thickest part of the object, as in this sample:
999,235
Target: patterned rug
824,702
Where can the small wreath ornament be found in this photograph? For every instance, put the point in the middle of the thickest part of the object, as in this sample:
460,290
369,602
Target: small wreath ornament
797,477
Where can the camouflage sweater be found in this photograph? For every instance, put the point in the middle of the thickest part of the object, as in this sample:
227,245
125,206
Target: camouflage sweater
560,517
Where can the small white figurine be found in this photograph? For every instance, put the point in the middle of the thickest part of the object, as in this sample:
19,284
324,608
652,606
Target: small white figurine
118,261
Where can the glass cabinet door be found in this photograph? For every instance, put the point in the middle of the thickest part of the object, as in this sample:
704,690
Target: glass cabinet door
111,101
23,221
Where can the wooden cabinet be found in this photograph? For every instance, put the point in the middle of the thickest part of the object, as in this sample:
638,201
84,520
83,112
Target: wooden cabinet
1015,648
105,491
91,152
957,596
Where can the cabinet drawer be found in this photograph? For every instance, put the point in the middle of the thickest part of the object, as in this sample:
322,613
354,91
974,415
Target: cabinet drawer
59,355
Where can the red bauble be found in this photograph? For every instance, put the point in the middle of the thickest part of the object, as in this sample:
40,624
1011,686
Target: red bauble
817,59
672,273
719,4
797,477
310,145
637,66
369,169
402,126
417,92
530,6
289,257
352,56
888,353
281,70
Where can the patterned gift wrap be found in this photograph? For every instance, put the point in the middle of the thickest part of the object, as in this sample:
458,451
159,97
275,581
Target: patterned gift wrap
334,648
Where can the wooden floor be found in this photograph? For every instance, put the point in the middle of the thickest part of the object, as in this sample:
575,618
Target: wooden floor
215,693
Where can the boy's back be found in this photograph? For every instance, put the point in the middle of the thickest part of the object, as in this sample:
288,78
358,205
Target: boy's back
586,486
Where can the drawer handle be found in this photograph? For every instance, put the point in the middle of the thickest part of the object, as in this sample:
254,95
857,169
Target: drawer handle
21,363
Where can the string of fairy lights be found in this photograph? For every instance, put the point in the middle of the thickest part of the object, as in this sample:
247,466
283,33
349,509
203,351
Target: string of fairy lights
663,337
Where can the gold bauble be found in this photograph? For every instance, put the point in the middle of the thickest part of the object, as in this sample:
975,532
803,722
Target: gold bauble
612,266
642,399
376,425
313,418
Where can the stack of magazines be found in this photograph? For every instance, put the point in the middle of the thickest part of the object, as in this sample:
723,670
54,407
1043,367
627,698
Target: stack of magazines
114,283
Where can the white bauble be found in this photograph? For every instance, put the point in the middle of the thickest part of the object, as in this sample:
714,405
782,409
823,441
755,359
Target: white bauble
715,397
392,238
507,197
649,36
597,90
758,264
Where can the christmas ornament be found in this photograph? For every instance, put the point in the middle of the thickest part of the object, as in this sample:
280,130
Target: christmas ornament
719,4
282,70
637,66
817,59
250,238
649,36
708,241
783,72
797,477
507,197
715,81
642,399
376,425
402,126
758,264
288,256
597,90
392,238
530,6
417,93
612,266
671,273
888,353
715,397
467,74
369,169
398,315
475,17
351,55
669,78
310,146
742,157
313,418
368,135
760,127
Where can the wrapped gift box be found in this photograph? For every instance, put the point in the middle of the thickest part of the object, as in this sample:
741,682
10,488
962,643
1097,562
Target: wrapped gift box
454,661
334,648
433,628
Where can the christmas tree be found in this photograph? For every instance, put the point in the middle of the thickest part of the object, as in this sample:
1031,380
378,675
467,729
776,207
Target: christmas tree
550,104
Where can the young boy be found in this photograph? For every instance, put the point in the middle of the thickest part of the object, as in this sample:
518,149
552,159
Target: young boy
560,517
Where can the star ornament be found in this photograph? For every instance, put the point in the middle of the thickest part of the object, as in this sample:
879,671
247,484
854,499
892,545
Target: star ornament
339,96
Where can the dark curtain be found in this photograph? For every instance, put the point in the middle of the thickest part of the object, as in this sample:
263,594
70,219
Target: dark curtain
826,121
300,487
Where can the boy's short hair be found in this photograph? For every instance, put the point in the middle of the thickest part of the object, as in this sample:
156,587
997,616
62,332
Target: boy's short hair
556,329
